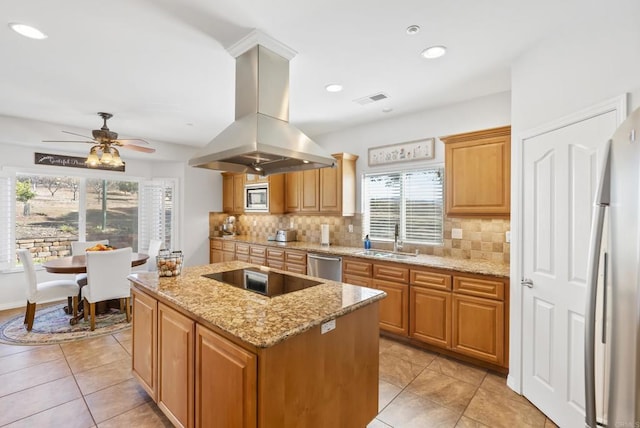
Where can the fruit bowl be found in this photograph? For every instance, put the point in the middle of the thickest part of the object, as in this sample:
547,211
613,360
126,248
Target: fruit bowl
101,247
169,263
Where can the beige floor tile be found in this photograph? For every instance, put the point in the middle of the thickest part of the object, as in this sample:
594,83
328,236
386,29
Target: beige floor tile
443,390
123,335
37,399
34,356
101,377
377,423
32,376
95,355
411,411
127,345
386,392
466,422
6,349
385,343
116,400
489,409
73,414
147,415
497,385
408,353
398,372
458,370
79,347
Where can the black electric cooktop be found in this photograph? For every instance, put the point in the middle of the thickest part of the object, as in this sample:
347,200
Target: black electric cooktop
265,282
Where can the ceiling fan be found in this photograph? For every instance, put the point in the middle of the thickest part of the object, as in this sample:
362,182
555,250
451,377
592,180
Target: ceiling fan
105,142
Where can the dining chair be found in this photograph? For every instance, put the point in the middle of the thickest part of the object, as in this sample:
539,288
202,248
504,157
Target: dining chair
78,249
107,273
154,249
40,292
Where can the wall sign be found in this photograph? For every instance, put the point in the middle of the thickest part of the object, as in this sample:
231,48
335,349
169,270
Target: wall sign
69,161
403,152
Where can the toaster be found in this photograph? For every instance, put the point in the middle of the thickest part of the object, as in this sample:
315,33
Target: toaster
285,235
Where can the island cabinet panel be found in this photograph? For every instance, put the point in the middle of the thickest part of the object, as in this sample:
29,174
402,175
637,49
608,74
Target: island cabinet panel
226,382
478,328
394,309
176,366
145,342
322,380
430,316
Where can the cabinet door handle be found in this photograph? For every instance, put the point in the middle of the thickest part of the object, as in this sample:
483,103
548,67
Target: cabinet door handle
527,282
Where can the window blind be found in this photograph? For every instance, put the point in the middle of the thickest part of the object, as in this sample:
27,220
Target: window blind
411,199
7,203
151,217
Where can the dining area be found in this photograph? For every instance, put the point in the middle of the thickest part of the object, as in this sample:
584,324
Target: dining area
93,281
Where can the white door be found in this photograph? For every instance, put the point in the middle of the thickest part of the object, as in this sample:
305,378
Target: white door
560,169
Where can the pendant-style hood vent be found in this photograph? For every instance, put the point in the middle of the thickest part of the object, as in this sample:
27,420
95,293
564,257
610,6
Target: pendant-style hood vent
261,140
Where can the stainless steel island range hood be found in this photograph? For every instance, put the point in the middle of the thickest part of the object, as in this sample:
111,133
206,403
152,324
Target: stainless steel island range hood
261,140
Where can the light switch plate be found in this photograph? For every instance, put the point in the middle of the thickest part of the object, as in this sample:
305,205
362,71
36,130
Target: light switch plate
327,326
456,233
350,227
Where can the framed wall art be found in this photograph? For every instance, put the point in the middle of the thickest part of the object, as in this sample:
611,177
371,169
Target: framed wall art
402,152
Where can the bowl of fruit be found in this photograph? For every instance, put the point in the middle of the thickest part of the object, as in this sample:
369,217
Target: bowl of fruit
169,263
101,247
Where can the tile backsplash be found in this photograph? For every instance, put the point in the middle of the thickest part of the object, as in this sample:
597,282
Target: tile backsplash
481,238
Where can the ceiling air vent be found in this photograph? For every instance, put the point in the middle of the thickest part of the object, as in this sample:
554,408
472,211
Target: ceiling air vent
371,98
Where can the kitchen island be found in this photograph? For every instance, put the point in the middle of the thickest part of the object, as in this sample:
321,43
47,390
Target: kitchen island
211,354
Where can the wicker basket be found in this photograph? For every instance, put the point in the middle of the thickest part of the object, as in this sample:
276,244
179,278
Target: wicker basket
169,263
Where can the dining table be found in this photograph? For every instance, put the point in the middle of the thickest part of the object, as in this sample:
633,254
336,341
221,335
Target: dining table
78,264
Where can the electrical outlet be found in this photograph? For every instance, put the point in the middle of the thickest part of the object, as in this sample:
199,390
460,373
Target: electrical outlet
350,227
456,233
327,327
255,223
291,225
507,236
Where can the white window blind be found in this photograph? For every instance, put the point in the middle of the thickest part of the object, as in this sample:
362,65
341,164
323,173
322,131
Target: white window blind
156,213
7,241
412,199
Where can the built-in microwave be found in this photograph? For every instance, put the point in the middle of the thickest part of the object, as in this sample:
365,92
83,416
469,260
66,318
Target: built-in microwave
256,197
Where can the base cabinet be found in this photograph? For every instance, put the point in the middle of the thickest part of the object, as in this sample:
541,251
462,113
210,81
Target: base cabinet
175,366
431,320
479,328
394,309
144,361
226,382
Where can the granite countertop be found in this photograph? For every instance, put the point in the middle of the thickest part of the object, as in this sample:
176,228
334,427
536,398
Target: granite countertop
253,318
483,267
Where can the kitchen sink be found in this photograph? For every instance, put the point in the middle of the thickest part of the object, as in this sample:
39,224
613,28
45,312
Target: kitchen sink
389,255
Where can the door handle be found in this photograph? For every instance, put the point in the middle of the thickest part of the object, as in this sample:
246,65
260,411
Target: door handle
527,282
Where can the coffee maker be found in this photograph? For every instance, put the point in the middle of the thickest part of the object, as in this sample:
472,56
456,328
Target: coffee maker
229,226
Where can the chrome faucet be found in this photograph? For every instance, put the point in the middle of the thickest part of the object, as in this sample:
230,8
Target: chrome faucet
397,244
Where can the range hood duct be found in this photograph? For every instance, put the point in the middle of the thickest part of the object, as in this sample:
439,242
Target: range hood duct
261,140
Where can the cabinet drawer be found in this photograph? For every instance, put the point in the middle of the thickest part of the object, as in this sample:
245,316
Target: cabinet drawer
242,248
296,268
276,264
425,278
391,273
353,267
216,245
296,257
229,246
242,257
275,254
357,280
489,288
258,260
258,251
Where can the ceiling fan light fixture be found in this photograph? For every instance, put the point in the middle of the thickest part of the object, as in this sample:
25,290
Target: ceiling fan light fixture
92,159
106,158
116,158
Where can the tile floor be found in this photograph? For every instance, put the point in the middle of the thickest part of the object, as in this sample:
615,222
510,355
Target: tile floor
88,383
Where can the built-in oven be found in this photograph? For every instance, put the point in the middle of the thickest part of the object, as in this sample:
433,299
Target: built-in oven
256,197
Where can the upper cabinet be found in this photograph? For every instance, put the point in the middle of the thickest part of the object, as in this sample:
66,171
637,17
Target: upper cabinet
233,185
324,190
478,172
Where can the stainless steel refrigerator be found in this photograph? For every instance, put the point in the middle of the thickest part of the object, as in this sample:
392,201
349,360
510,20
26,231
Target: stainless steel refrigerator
612,316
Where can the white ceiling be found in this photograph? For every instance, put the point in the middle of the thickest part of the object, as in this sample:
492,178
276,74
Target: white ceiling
160,66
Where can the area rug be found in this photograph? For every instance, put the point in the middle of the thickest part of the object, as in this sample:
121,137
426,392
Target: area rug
51,325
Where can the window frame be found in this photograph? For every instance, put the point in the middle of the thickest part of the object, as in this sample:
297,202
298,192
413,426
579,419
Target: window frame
366,226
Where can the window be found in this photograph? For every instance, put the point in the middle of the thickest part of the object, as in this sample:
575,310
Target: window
413,200
47,212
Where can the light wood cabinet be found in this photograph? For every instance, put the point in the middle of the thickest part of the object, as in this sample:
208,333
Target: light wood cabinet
295,261
225,387
275,258
257,254
176,366
430,316
478,328
324,190
232,193
144,361
394,309
478,172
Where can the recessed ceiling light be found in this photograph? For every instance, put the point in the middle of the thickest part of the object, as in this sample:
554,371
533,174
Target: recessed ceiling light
413,29
434,52
333,87
387,110
27,31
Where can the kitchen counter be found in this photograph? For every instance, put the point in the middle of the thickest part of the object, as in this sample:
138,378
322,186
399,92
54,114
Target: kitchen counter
255,319
483,267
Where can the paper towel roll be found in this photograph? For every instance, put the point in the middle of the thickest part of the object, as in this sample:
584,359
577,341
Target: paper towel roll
324,234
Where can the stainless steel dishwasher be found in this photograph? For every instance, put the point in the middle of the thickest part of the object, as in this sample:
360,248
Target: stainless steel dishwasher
323,266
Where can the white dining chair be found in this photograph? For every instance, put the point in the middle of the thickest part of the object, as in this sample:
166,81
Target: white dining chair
44,291
78,249
154,249
107,273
